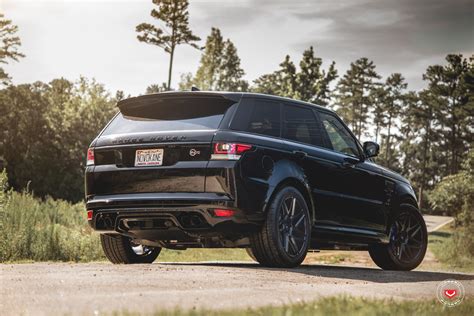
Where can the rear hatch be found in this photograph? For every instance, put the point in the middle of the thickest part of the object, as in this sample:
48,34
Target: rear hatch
158,143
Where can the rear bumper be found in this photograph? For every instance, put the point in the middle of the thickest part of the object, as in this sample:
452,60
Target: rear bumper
158,200
168,216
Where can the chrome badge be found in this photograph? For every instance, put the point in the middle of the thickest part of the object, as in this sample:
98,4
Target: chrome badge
193,152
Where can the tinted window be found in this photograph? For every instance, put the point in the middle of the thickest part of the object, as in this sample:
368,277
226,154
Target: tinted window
340,138
258,116
168,113
299,124
124,124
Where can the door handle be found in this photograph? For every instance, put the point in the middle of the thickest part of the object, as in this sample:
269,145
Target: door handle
299,154
349,163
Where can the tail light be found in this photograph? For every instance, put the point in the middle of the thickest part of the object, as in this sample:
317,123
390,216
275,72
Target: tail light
223,212
229,151
90,157
90,214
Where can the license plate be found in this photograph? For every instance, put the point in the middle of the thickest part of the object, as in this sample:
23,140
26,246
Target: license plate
148,157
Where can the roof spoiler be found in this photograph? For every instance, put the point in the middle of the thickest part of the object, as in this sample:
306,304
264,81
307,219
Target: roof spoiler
177,105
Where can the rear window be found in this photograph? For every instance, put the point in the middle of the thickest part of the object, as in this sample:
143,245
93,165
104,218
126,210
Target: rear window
258,116
168,115
124,124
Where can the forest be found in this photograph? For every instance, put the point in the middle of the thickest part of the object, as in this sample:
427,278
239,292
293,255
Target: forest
426,135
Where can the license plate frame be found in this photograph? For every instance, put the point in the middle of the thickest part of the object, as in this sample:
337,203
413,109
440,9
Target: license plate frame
149,157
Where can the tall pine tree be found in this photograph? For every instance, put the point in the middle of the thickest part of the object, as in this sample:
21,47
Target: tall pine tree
310,83
355,94
175,15
219,68
391,104
450,91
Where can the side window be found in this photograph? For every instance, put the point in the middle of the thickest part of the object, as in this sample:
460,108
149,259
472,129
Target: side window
299,124
340,138
258,116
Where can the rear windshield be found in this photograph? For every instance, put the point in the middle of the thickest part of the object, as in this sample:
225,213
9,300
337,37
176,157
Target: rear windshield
124,124
170,116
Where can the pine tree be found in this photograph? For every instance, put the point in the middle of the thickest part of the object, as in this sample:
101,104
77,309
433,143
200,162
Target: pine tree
419,142
391,105
219,68
354,94
379,96
267,84
230,75
211,61
312,83
323,91
449,86
175,15
308,76
9,46
287,78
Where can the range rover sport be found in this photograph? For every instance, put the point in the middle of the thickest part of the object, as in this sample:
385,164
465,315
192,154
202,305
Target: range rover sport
275,176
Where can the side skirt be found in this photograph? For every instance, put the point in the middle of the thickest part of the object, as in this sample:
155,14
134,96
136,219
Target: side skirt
326,237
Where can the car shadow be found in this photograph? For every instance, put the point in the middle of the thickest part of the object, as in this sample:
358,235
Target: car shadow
343,272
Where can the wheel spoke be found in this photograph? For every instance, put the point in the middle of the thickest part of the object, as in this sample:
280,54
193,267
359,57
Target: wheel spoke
413,234
402,247
298,219
286,241
414,242
293,206
294,246
285,208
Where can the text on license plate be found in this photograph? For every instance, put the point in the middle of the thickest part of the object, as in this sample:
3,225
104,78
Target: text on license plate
149,157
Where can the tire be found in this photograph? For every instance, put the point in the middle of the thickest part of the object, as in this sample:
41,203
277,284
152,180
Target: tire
250,253
408,242
121,250
285,236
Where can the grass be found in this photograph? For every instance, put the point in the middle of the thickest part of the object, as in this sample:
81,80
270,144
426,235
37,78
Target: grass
447,246
44,230
333,306
195,255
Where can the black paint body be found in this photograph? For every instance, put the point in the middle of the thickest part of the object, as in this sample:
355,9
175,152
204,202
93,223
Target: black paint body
352,199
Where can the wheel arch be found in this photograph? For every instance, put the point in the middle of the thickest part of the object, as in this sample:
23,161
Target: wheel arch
288,173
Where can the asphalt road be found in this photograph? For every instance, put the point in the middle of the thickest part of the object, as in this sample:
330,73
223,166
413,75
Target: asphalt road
60,288
434,223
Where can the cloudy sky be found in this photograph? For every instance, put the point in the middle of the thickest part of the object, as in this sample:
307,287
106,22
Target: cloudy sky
97,38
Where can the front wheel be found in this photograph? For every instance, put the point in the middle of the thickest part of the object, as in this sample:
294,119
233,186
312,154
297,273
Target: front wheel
285,236
408,242
120,249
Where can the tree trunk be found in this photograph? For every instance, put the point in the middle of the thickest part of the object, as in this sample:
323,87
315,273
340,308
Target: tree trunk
387,149
170,68
424,162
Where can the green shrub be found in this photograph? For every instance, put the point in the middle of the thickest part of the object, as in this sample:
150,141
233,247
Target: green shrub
454,195
38,230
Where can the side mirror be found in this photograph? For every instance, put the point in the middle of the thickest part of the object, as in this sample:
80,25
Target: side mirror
371,149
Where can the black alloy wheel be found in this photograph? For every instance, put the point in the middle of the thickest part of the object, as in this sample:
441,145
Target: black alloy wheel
285,236
408,241
293,226
406,238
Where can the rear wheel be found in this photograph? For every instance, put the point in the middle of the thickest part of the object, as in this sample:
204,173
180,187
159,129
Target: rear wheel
121,249
285,235
408,242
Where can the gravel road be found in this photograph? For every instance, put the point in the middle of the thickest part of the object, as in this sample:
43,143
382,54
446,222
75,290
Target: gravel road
63,288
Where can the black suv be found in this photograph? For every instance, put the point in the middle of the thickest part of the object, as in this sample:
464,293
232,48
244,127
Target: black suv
275,176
